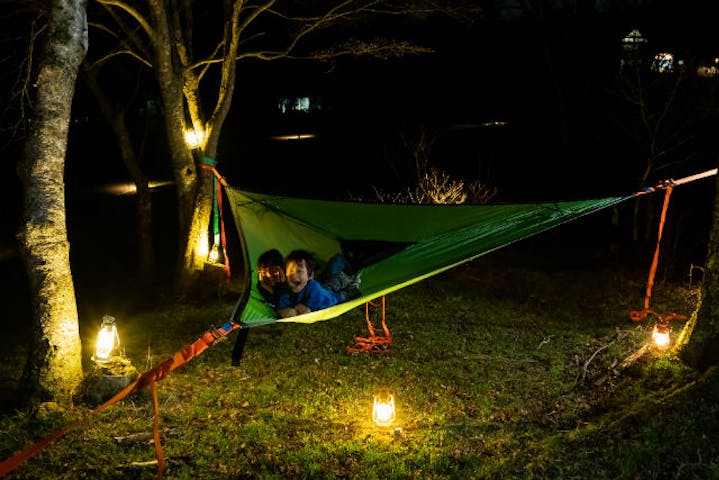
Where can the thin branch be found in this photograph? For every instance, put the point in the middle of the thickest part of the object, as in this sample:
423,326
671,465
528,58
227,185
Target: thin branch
133,13
116,53
586,364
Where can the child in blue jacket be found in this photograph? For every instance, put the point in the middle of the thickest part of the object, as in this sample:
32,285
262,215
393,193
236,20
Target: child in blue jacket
306,293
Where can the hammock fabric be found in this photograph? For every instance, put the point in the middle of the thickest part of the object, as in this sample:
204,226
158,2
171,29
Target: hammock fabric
427,239
424,240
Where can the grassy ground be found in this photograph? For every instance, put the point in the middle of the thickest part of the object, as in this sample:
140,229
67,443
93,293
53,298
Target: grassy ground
508,367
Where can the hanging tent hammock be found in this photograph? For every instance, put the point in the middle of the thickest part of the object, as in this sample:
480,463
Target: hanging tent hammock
413,242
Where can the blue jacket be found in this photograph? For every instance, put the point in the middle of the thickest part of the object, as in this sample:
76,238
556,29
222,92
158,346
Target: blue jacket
314,296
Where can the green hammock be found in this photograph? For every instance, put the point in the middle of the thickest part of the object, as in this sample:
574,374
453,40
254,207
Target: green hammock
426,239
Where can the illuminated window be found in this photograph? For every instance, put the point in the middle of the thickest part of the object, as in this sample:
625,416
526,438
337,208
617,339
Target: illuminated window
302,104
708,70
296,104
663,62
632,46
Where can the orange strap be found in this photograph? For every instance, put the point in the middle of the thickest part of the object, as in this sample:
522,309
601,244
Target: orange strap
156,431
223,238
374,343
148,378
637,315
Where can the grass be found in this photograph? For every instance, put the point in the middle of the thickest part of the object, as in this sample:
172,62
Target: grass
503,368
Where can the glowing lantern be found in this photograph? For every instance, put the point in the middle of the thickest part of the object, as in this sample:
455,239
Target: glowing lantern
383,411
107,340
194,138
214,255
660,335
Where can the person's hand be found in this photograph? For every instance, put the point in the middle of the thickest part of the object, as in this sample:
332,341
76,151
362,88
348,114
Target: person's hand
302,309
287,312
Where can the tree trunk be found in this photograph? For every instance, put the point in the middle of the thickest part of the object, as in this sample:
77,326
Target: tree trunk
170,80
54,368
702,350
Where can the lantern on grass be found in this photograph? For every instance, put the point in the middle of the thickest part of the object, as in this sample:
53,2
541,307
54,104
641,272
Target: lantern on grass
660,335
108,340
383,409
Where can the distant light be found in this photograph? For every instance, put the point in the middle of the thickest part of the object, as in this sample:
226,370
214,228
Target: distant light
296,136
634,37
707,71
663,62
496,123
127,188
490,123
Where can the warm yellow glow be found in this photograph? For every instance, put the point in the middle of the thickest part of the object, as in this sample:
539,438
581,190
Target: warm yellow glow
128,188
214,255
296,136
194,137
203,246
107,339
660,336
383,411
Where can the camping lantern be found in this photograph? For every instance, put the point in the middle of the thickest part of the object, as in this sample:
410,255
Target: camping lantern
214,255
194,138
107,340
660,335
383,411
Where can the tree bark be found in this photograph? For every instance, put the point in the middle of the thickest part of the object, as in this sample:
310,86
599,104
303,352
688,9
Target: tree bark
54,368
170,78
702,350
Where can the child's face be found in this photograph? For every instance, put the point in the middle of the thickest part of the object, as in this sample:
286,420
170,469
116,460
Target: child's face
271,275
297,275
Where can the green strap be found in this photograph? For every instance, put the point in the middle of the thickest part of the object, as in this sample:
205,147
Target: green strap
210,162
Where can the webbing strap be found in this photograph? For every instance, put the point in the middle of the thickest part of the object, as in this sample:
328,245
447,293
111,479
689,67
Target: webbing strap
156,430
148,378
668,186
218,222
637,315
673,183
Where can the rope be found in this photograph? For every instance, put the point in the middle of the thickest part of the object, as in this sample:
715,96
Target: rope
148,378
374,343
